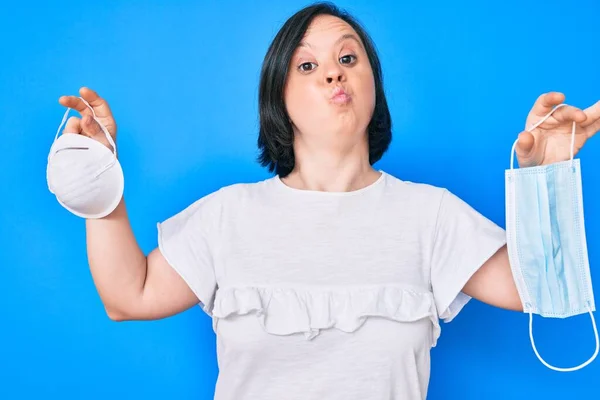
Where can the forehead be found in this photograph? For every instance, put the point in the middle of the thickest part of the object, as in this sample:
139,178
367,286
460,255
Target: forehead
325,30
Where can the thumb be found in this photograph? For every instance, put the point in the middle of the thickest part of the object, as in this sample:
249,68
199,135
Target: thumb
89,126
525,144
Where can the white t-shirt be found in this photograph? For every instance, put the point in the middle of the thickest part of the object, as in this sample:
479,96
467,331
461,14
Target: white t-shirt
320,295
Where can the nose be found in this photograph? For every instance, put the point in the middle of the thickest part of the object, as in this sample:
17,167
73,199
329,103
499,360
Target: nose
335,74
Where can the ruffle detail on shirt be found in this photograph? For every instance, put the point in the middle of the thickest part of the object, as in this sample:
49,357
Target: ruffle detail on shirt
285,311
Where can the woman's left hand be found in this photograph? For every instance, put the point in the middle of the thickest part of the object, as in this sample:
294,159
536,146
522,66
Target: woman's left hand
550,142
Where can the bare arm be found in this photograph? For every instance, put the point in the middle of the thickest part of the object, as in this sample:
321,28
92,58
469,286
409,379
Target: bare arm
131,285
493,283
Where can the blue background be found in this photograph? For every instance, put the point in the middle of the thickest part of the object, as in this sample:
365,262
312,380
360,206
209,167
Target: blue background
182,81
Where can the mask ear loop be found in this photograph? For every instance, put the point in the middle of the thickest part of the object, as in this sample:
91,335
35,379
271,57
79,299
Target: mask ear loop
565,369
106,133
64,119
512,152
108,137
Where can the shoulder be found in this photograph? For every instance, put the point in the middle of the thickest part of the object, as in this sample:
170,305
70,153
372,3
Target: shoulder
438,202
220,203
244,190
423,194
239,195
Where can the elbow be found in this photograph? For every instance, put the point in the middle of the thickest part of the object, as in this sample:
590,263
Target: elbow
517,305
116,315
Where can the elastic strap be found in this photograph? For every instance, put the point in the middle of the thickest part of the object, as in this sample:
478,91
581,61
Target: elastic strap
565,369
512,152
106,133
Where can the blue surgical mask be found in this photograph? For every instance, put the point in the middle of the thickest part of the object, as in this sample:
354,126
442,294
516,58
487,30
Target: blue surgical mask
547,243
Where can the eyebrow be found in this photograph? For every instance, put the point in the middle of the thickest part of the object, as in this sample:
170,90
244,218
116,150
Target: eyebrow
341,39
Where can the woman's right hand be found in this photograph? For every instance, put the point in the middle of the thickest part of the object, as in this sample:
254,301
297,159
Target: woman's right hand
86,125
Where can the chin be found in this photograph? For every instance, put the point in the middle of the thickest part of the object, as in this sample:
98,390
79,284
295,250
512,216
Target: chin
349,135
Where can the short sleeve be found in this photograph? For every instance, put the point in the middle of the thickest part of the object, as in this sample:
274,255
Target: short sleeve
463,241
185,241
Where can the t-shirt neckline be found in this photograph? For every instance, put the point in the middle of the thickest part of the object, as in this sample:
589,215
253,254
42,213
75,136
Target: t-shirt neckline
364,189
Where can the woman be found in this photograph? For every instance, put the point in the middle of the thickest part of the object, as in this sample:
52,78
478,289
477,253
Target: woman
326,281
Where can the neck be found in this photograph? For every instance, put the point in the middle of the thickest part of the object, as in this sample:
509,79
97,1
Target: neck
325,170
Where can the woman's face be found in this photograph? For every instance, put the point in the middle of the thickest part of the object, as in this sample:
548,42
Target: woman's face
330,90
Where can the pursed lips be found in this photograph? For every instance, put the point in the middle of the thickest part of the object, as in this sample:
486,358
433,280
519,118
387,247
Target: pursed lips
340,96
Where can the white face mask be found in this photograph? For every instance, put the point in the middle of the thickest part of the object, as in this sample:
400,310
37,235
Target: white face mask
83,174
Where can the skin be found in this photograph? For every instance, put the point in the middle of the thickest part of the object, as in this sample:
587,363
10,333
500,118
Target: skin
331,155
330,140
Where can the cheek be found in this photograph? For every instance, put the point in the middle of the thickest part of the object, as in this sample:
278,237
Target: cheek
304,101
368,92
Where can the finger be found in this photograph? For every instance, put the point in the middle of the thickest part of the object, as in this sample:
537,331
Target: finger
89,126
547,101
593,114
100,106
524,144
73,125
569,114
592,129
75,103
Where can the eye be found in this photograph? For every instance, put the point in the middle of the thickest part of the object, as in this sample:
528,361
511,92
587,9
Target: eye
347,59
307,67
